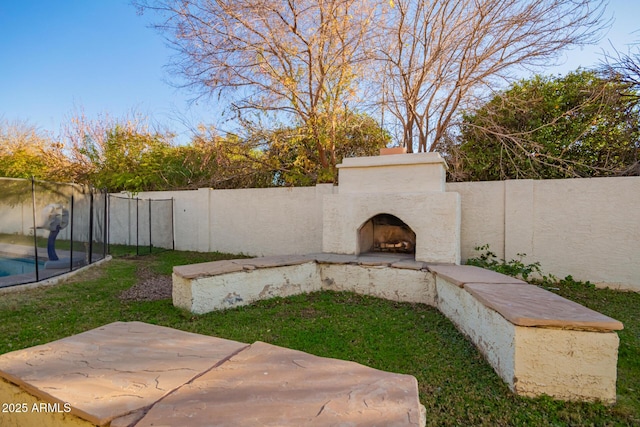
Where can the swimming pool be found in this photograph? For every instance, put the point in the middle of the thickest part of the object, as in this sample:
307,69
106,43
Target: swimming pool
13,266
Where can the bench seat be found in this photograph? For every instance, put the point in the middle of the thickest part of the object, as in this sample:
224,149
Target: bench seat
533,306
536,341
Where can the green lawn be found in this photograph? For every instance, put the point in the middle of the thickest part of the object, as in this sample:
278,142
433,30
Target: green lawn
456,385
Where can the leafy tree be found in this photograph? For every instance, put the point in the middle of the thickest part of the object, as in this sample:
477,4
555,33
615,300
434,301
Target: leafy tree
26,152
222,162
127,160
578,125
118,154
292,155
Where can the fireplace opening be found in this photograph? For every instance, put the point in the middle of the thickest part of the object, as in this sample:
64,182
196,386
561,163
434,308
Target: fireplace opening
386,233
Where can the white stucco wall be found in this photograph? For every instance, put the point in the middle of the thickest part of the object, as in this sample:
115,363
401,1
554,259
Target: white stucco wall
129,218
587,228
220,292
268,221
394,284
566,364
17,219
493,335
257,222
482,216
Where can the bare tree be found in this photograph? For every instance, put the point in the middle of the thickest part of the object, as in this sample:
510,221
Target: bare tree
436,56
624,67
297,57
422,60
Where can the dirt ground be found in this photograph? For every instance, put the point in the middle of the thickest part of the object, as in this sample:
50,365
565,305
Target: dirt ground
151,286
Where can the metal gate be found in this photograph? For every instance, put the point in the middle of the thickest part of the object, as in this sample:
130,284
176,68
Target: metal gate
140,225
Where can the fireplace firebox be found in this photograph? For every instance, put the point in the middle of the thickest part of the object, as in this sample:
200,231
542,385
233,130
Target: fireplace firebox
386,233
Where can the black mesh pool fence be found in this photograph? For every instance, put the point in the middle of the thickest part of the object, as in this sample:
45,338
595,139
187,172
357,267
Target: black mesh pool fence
140,225
48,229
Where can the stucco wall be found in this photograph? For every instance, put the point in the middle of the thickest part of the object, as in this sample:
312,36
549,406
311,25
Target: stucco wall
257,222
587,228
433,216
267,221
129,219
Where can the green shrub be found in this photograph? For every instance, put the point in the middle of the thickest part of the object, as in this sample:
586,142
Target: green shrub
515,267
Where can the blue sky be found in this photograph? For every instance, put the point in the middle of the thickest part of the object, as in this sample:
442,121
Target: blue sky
60,57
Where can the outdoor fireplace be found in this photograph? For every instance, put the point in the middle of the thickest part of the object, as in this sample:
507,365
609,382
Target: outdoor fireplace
386,233
393,203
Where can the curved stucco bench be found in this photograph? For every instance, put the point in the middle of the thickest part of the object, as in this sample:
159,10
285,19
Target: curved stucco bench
538,342
218,285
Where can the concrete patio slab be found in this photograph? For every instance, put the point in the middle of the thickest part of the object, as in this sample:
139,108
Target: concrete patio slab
136,374
533,306
266,385
116,369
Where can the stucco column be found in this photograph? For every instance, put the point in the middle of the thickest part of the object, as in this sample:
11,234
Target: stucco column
519,214
204,220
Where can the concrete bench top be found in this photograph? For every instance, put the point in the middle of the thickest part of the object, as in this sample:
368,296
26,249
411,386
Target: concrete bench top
530,305
133,373
520,303
462,274
215,268
373,259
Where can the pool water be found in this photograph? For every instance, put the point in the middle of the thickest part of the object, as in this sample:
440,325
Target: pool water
13,266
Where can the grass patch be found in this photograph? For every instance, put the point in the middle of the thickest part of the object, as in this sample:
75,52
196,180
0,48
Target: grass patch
456,385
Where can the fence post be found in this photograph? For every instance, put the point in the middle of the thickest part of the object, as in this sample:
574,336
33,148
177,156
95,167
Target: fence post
173,227
137,227
150,240
90,226
35,229
71,232
105,231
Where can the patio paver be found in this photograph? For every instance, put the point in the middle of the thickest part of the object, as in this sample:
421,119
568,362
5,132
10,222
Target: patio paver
133,373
